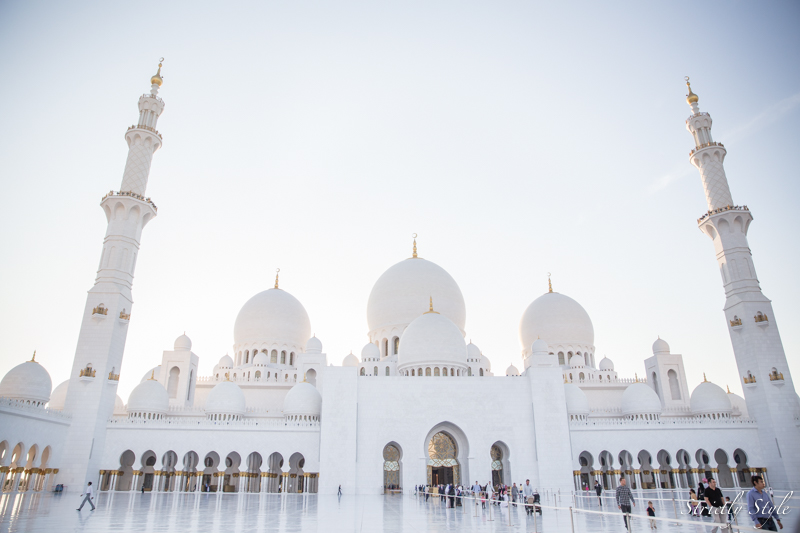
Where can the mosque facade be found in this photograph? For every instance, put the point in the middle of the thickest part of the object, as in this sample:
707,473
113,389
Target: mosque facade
277,416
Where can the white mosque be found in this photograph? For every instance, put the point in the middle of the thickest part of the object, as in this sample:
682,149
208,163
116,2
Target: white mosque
277,416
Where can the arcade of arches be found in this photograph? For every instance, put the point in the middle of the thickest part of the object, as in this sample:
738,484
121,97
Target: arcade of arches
211,473
661,470
25,468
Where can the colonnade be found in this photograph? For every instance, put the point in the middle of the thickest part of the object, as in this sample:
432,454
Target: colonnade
21,479
185,481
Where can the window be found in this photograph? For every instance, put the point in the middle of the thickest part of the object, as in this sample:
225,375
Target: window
258,374
451,372
291,359
172,384
436,371
283,357
481,371
561,358
387,370
396,341
428,371
469,371
412,371
385,347
273,358
375,371
362,373
674,386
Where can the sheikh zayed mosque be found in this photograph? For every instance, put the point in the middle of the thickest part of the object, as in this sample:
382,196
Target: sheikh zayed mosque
277,416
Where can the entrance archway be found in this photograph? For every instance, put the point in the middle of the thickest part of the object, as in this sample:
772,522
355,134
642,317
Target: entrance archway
392,473
501,473
443,467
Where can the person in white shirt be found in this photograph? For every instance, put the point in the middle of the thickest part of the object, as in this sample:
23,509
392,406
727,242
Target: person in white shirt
527,491
88,494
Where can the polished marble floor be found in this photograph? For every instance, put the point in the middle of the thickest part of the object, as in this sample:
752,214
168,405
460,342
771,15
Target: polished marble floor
55,513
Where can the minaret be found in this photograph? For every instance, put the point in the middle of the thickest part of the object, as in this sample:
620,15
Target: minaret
101,343
767,382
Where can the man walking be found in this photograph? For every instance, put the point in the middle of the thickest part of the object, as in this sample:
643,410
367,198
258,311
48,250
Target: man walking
624,500
88,495
527,493
514,492
599,490
716,502
760,507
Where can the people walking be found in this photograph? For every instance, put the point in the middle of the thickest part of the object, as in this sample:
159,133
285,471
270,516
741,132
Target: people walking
340,491
761,508
651,513
716,504
693,502
88,495
624,498
514,492
527,493
598,488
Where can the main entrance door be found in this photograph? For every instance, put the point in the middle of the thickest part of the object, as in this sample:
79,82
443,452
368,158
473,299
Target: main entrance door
441,475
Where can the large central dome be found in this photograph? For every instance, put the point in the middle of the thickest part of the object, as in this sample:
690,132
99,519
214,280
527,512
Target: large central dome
560,321
403,292
272,318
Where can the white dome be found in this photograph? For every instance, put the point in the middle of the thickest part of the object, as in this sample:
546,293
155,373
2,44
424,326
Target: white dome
303,399
557,319
431,338
540,347
473,352
314,345
512,371
710,398
225,361
660,347
260,359
738,402
226,398
149,396
151,373
272,317
350,360
370,352
577,402
28,381
577,361
639,399
58,398
606,364
485,363
402,293
119,405
183,343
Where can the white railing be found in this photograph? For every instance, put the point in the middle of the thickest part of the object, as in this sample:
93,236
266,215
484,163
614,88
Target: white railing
24,406
663,421
186,422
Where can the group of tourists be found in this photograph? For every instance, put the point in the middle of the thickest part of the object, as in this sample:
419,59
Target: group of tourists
499,495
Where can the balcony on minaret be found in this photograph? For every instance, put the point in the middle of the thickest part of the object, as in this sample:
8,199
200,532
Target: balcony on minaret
749,379
124,316
723,210
112,376
776,376
761,319
87,373
704,145
736,323
148,128
132,195
100,310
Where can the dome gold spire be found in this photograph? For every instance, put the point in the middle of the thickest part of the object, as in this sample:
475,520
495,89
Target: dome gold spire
156,80
704,378
430,307
691,98
414,255
152,375
277,272
549,283
33,359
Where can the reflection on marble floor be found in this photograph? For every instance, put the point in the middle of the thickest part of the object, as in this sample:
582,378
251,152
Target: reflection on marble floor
55,513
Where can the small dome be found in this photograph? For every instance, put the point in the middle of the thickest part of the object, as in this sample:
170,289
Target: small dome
660,347
512,371
303,399
226,398
370,352
639,399
558,319
149,396
151,373
225,361
577,361
401,295
260,359
314,345
350,360
540,347
737,402
58,398
28,381
272,317
606,364
577,402
431,338
709,398
119,406
183,343
473,352
485,363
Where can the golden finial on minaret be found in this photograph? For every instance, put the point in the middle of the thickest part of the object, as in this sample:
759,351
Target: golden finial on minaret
276,277
549,283
156,80
691,98
704,378
33,359
430,307
414,255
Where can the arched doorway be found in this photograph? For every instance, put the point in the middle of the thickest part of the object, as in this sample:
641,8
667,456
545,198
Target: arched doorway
148,470
274,472
501,474
742,468
586,461
724,474
443,467
391,467
296,473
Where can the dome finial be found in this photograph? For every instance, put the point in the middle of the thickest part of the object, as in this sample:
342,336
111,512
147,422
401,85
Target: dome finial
691,98
729,389
549,283
430,307
277,272
636,377
414,255
156,80
152,375
704,378
33,359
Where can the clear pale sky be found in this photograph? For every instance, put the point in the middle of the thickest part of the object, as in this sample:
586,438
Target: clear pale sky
515,138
